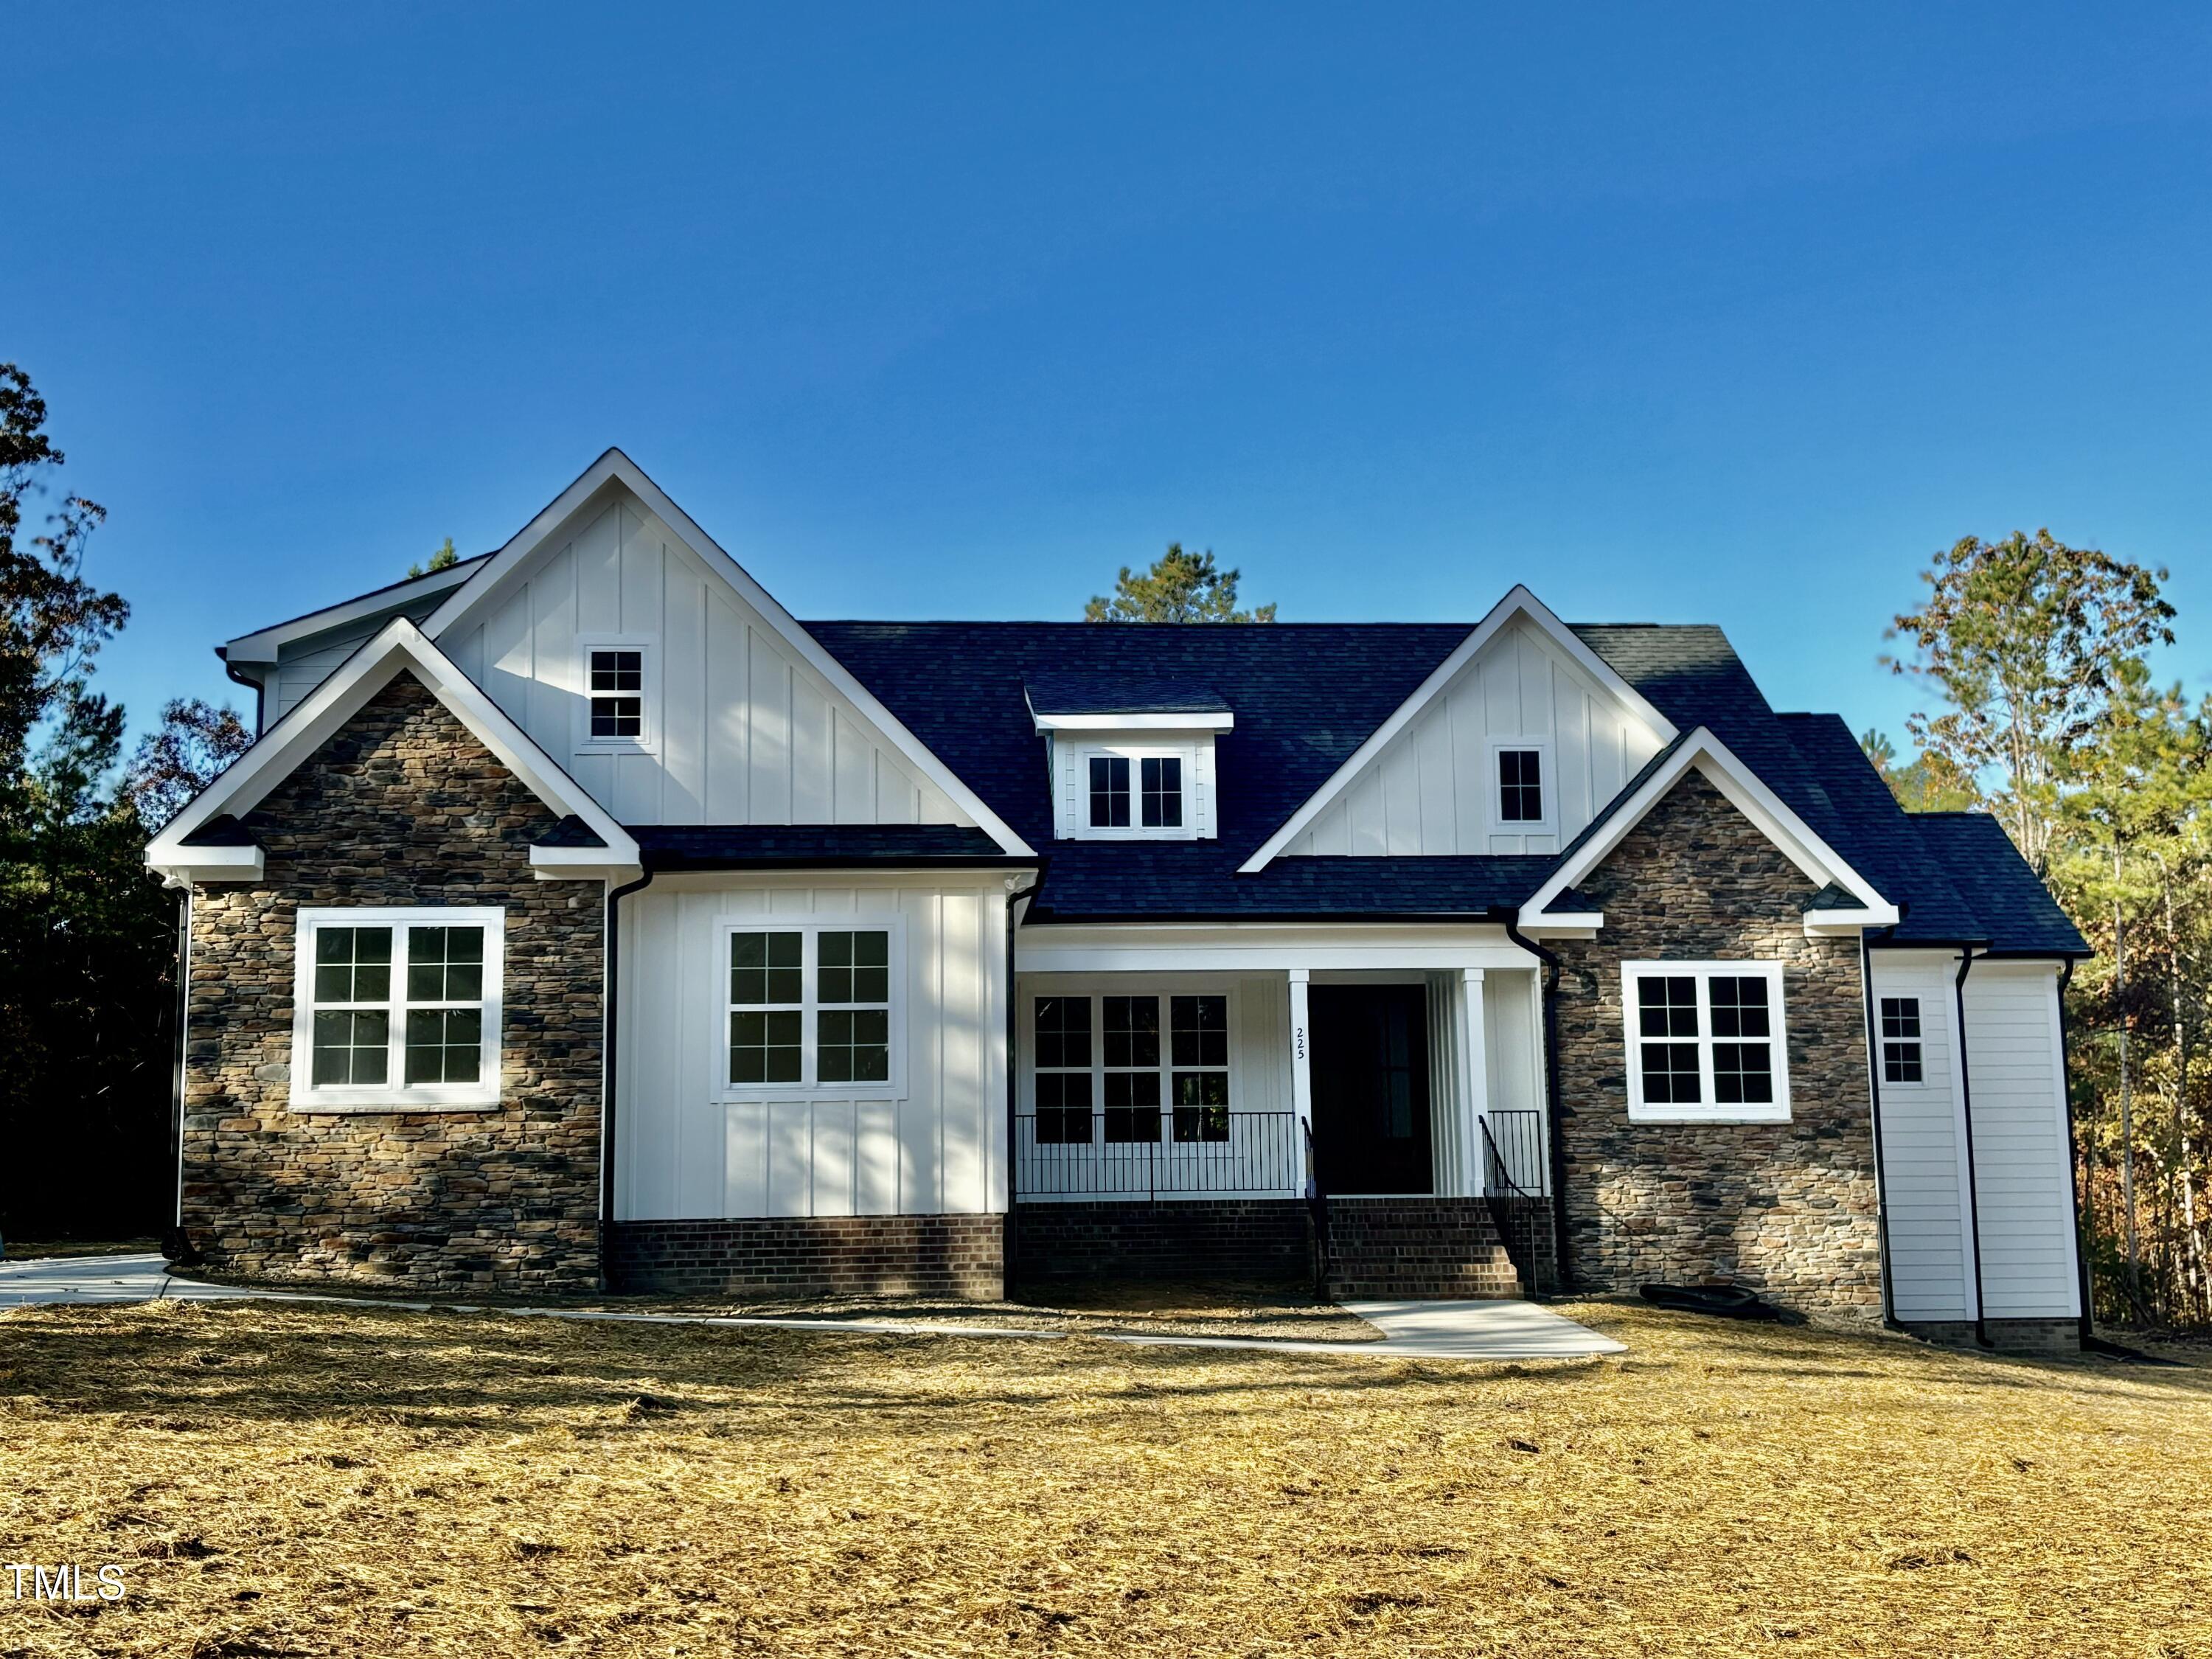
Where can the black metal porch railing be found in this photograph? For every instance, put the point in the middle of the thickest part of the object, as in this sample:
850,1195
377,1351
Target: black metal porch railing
1513,1152
1067,1154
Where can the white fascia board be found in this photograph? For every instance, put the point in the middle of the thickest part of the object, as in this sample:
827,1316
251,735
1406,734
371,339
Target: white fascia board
582,864
312,722
213,864
1518,603
1743,790
265,646
615,467
1216,722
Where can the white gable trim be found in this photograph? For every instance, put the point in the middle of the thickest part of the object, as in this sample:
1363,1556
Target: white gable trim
399,645
1796,839
615,467
265,645
1518,603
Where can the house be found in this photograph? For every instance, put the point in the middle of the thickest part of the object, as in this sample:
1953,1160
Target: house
579,918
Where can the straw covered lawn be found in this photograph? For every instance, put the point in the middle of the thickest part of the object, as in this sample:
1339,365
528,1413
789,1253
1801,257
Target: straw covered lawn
299,1480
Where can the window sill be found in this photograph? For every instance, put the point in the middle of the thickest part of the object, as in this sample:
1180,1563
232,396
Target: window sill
390,1104
755,1094
1660,1114
617,748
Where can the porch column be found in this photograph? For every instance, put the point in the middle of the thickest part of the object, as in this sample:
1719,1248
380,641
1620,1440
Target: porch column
1474,1099
1301,1066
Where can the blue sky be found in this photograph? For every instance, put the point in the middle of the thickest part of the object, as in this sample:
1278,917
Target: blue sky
1675,313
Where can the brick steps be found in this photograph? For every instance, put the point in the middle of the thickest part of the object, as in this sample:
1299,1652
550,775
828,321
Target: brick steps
1444,1248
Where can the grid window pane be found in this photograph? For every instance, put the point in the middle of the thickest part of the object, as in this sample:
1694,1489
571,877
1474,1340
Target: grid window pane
1132,1106
1521,784
1670,1074
445,1045
445,964
1201,1029
618,717
1743,1074
853,968
1110,791
1063,1031
617,671
764,969
1667,1007
852,1046
1161,780
1900,1016
352,965
1201,1106
1133,1030
764,1047
1901,1063
1063,1117
352,1047
1740,1008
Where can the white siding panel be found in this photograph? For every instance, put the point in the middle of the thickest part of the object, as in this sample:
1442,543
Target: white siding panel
1429,790
1930,1261
685,1154
2022,1163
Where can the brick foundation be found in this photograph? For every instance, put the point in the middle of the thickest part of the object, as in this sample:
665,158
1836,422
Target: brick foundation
1194,1238
1444,1248
2051,1337
949,1256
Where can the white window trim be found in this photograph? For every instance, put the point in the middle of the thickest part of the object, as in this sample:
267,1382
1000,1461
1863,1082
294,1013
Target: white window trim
1880,1070
1707,1111
1163,989
1136,754
648,741
393,1095
809,1086
1547,782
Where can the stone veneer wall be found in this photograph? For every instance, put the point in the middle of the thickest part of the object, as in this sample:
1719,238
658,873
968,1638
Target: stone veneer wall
1786,1209
403,806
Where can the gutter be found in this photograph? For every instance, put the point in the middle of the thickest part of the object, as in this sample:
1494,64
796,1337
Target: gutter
2087,1322
1007,1251
1552,1119
1973,1181
611,1028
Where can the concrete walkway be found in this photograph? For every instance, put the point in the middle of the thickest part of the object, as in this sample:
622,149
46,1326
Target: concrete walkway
1411,1330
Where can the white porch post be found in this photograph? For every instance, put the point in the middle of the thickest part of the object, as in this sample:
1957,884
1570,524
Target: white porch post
1474,1067
1301,1065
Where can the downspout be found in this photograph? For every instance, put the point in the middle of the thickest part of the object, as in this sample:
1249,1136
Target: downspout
1551,1109
611,1022
260,692
2087,1322
1874,1107
1973,1182
1015,897
175,1246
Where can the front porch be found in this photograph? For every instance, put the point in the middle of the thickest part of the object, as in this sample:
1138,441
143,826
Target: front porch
1369,1115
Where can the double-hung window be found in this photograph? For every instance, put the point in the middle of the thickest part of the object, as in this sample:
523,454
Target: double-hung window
619,685
812,1008
1131,1069
397,1009
1901,1055
1705,1042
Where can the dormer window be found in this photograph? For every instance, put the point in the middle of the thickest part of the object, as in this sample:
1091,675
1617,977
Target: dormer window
1130,759
620,686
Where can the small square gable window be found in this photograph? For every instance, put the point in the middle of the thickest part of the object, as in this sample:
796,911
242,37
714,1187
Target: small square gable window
620,685
1521,786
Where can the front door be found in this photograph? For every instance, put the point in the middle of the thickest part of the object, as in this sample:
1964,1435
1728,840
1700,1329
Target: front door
1370,1068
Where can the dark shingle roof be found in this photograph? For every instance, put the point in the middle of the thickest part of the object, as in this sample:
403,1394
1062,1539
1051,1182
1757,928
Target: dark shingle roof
1120,694
768,846
1306,696
572,831
2016,911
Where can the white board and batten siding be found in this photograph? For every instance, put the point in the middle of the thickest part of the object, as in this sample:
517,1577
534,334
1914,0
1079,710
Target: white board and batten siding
686,1153
2022,1167
1433,788
743,730
2021,1196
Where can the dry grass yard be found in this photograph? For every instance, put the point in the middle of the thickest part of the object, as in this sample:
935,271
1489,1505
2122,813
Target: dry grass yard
293,1480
